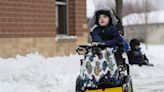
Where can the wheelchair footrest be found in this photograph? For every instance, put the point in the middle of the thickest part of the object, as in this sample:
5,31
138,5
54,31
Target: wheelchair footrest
116,89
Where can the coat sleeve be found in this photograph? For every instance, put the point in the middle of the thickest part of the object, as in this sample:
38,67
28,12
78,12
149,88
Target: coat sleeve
95,36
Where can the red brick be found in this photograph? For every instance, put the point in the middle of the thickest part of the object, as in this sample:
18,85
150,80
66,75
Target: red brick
25,18
28,18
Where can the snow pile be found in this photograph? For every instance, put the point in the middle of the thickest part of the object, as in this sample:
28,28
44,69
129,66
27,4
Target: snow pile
35,73
152,17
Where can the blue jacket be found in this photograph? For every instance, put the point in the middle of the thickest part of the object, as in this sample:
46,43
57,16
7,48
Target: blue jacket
109,36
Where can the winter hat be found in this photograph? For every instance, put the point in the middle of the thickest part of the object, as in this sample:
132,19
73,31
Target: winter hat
100,7
104,12
134,42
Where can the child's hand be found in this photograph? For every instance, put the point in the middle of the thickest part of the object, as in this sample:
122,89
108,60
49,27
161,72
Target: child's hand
95,43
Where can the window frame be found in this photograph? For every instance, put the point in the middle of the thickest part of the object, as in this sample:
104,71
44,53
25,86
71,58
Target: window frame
63,3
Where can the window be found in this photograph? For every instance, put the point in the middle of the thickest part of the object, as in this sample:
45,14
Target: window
61,17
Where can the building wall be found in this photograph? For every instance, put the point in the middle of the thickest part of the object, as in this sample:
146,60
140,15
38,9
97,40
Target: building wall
27,18
77,17
46,46
28,26
155,33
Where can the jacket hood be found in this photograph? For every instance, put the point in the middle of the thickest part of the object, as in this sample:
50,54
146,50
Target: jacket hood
100,7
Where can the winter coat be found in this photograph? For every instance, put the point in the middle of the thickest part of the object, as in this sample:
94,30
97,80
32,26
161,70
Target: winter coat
109,36
135,56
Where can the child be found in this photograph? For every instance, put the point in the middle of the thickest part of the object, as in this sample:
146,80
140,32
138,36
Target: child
104,30
135,55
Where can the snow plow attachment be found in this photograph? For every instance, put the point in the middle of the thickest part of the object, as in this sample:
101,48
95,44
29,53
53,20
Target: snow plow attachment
99,71
117,89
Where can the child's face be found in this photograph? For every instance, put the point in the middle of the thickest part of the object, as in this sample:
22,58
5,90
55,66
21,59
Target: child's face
103,20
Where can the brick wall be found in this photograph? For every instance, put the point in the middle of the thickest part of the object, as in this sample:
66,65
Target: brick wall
27,18
28,26
77,17
43,45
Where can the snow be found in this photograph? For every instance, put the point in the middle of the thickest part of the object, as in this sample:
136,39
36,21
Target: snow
152,17
61,37
150,79
36,73
90,8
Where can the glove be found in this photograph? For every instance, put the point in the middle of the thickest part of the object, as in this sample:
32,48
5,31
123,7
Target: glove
81,51
95,43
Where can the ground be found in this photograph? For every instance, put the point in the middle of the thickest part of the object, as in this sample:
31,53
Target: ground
35,73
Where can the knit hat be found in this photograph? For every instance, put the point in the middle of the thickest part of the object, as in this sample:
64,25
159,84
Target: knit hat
134,42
